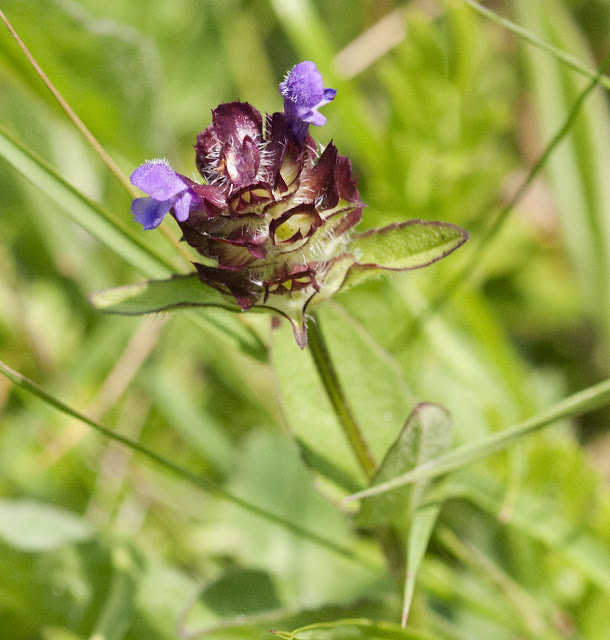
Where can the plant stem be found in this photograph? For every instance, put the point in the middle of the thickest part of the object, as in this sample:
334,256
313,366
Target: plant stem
332,386
388,537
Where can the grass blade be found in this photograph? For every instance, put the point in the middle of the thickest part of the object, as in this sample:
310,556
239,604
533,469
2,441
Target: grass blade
124,241
484,243
86,133
534,516
200,482
559,54
578,169
587,400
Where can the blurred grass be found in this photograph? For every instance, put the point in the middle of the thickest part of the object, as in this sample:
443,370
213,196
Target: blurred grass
442,126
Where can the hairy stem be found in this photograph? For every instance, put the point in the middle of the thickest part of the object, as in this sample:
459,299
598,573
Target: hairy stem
332,386
388,538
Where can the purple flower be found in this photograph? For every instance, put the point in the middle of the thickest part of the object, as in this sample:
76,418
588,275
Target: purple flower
166,189
304,94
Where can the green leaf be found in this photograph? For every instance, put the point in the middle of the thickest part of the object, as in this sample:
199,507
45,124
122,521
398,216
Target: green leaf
358,629
420,531
425,436
258,626
241,592
537,518
587,400
123,240
36,526
371,381
179,292
403,246
161,295
271,474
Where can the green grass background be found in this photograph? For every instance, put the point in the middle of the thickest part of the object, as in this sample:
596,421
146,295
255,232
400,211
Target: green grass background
97,542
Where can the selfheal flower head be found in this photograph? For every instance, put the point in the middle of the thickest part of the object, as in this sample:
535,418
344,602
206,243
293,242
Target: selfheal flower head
288,208
273,218
304,94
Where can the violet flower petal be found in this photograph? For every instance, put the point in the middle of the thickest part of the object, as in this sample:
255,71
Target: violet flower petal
157,180
304,93
150,212
182,206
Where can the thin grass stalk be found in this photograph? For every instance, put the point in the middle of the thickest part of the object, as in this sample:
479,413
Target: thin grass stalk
200,482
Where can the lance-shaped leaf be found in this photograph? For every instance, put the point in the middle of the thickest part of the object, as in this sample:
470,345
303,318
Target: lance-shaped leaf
35,526
420,531
354,629
402,247
425,436
160,295
183,291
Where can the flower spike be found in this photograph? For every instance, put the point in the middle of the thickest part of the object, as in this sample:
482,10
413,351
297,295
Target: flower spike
272,218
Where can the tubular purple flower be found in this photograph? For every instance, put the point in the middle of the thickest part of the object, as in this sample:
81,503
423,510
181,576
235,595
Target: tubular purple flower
304,93
166,189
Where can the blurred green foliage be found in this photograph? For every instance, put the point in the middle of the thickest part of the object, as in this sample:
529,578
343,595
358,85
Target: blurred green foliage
441,126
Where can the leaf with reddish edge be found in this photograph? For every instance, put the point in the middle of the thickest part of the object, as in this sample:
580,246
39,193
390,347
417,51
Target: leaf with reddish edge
160,295
401,247
186,291
427,434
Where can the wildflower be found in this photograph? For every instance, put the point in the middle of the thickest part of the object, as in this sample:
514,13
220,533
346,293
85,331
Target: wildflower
166,189
304,94
273,218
